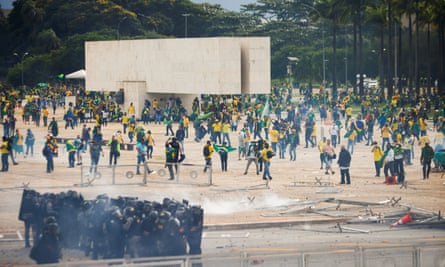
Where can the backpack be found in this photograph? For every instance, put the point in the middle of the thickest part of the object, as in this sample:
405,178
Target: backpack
10,143
45,150
206,151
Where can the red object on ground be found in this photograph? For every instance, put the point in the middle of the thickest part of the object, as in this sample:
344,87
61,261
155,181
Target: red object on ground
405,219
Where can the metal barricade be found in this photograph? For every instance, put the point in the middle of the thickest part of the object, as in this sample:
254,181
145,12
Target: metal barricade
184,173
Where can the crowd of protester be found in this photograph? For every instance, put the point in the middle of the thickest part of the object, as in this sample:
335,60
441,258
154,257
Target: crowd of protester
282,120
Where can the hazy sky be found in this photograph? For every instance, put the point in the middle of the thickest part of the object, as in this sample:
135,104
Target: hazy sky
6,3
233,5
227,4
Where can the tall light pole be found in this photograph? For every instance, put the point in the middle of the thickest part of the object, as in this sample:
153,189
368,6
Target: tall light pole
322,37
186,15
289,68
22,67
346,73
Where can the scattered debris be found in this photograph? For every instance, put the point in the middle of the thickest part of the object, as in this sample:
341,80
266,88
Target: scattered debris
388,211
344,228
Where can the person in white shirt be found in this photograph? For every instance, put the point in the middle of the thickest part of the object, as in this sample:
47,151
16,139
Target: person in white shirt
333,131
389,161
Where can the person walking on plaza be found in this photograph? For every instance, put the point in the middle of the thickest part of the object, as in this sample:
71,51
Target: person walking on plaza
180,135
141,150
386,134
329,155
149,139
320,149
388,158
71,149
378,154
344,162
5,154
398,163
172,152
45,114
266,156
427,154
125,121
79,147
131,110
29,142
18,143
207,152
274,137
53,127
253,154
309,126
168,121
95,153
242,149
223,154
186,124
115,150
352,138
333,130
292,140
226,132
86,137
49,150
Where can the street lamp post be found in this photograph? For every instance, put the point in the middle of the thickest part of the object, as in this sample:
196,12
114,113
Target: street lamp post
22,67
346,73
186,15
323,39
289,67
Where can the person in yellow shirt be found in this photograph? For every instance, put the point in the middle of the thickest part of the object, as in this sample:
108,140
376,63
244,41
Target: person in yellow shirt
320,149
5,153
378,154
386,134
226,132
18,143
186,123
423,125
348,113
150,141
274,136
314,134
155,103
131,110
207,153
266,156
45,114
217,131
125,122
351,141
131,127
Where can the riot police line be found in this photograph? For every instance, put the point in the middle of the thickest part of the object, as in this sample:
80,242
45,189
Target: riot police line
109,228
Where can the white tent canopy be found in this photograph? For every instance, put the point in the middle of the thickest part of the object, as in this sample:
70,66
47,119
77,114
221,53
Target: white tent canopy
80,74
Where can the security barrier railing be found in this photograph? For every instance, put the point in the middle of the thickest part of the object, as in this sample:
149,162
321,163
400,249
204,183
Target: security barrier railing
184,173
406,256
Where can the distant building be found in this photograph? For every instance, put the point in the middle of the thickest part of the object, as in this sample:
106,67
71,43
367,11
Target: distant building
188,67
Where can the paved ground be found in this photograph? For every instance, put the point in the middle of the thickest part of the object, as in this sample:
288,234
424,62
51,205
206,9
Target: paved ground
233,198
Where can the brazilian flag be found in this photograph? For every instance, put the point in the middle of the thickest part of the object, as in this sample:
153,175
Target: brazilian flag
226,148
205,116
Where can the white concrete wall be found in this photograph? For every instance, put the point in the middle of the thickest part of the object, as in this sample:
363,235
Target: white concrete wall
256,65
190,66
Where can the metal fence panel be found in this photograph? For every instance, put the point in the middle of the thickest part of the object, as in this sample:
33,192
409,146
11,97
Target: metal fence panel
346,258
432,256
127,174
389,257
